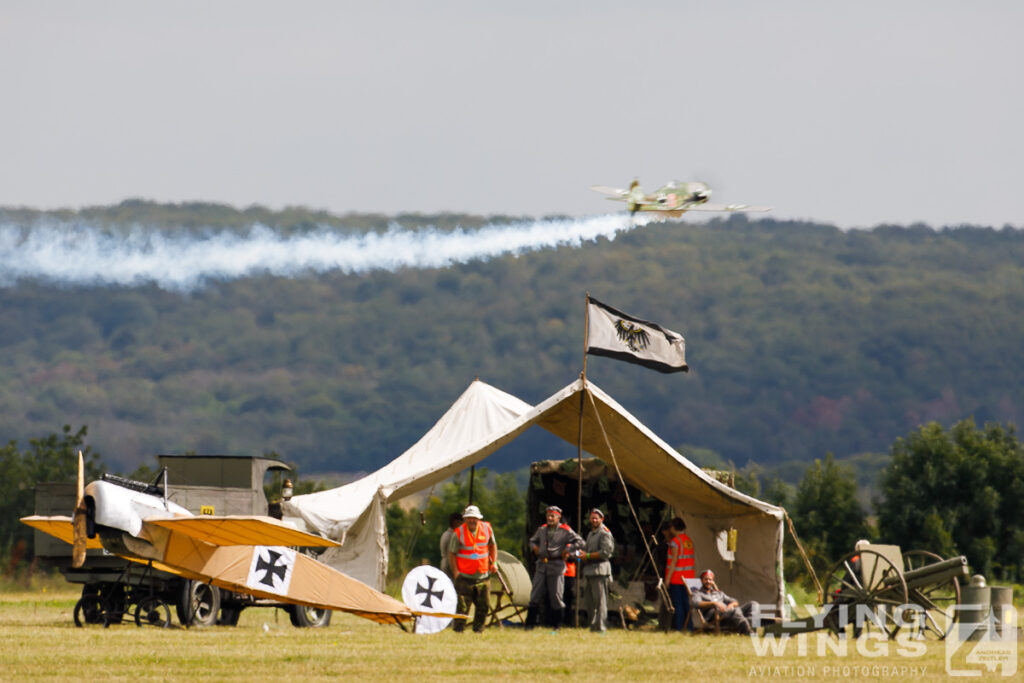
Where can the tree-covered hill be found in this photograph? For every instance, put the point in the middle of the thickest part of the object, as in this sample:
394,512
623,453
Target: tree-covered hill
801,339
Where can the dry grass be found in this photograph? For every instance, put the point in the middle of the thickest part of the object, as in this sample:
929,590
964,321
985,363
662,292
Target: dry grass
39,640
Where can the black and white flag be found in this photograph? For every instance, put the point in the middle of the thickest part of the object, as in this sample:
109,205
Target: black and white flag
619,335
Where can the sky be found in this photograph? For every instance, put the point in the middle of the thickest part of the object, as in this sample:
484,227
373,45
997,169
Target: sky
854,114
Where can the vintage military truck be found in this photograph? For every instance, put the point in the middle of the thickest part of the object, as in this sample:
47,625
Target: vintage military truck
203,484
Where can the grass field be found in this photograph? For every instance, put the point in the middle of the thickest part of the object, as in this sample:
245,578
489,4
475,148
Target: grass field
38,639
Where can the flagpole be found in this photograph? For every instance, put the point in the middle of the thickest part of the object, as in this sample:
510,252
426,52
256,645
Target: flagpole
586,336
579,459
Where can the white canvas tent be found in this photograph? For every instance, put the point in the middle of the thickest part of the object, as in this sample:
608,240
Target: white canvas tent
484,419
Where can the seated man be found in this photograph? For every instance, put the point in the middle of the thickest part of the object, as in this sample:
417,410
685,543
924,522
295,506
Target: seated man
709,600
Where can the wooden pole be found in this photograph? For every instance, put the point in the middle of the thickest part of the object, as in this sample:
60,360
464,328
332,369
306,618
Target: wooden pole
807,561
586,334
579,456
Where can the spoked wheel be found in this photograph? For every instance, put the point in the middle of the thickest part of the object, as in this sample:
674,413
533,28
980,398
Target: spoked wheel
153,611
937,614
91,610
865,589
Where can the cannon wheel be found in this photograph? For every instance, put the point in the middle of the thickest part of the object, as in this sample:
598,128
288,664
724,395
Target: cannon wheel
938,613
881,591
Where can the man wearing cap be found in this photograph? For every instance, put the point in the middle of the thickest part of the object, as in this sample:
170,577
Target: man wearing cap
551,543
472,555
709,600
597,570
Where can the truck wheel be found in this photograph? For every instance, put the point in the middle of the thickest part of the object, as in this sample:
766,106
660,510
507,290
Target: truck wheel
91,609
308,617
199,604
229,615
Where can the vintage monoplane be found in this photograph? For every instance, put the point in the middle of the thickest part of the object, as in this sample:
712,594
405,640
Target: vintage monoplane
672,199
251,554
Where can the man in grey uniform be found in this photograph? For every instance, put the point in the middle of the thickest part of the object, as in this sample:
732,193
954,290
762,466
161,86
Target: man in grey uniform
597,571
454,521
551,543
710,600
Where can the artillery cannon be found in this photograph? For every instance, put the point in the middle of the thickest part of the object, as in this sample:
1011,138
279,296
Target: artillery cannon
879,587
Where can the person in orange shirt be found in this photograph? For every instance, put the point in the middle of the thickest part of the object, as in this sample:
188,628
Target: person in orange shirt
681,565
472,554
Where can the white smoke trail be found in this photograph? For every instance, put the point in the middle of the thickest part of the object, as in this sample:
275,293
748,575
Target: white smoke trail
84,255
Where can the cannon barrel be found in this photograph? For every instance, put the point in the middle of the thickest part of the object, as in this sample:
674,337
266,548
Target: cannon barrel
932,574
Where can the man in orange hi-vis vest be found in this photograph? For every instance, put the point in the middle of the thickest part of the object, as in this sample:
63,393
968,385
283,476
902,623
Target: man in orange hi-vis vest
681,565
472,554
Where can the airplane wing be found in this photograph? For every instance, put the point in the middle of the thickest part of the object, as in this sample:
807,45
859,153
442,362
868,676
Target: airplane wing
241,530
732,208
280,573
58,526
615,192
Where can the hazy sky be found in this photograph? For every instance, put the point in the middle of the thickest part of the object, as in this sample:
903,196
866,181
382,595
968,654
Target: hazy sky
856,113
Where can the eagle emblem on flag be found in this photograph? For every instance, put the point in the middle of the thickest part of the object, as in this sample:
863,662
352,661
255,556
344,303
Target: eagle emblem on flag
614,334
633,336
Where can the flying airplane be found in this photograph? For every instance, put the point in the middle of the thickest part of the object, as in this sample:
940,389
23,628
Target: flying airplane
672,199
252,555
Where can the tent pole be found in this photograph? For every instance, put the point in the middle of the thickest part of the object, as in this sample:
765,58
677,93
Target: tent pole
579,491
472,474
579,456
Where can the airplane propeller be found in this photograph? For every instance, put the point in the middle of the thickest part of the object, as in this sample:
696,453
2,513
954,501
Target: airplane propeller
79,519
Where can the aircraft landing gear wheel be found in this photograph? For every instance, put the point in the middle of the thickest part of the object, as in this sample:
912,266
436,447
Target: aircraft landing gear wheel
153,611
199,604
91,610
308,617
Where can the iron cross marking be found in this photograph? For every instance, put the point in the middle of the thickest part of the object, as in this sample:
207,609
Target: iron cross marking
271,568
429,592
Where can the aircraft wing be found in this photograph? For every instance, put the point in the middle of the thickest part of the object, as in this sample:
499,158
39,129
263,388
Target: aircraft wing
614,192
732,208
241,530
209,549
58,526
279,573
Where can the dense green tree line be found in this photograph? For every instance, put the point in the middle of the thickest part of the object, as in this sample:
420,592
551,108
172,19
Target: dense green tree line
49,458
802,340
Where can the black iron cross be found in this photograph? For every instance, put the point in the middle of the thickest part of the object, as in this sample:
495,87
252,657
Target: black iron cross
429,592
271,568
